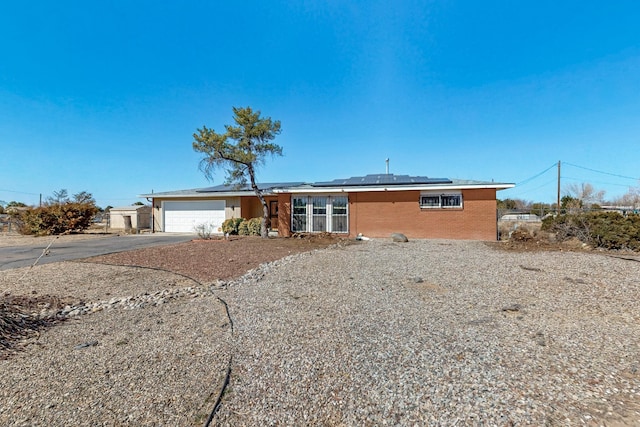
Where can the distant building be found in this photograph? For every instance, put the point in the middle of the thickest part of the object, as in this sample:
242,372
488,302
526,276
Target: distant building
620,209
125,217
520,217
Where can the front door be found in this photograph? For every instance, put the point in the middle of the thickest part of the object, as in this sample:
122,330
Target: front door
273,214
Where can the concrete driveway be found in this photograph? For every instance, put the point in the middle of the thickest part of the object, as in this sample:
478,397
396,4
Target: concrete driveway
26,255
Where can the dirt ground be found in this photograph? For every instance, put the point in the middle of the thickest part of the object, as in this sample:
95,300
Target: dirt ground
206,261
217,259
524,241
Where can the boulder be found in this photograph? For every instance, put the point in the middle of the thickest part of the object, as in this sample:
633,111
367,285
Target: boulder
399,237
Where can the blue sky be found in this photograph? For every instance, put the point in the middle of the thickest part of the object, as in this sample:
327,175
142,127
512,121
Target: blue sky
104,96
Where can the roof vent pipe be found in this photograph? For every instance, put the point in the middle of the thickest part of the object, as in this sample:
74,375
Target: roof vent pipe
387,162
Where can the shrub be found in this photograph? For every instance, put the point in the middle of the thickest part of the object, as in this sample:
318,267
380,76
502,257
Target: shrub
608,230
204,230
56,218
230,226
254,225
520,235
243,228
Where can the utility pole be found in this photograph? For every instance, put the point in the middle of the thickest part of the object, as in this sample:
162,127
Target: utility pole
558,201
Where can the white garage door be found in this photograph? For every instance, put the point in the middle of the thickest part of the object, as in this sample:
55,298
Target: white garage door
183,217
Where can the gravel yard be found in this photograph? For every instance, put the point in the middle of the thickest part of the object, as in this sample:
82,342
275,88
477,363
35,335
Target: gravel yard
419,333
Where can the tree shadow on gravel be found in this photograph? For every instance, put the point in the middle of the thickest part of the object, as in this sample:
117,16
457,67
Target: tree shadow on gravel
22,318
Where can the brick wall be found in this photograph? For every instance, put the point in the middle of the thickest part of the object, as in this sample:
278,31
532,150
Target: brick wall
378,214
284,215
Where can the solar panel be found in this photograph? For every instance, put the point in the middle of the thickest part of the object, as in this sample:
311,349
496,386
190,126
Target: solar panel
247,187
381,179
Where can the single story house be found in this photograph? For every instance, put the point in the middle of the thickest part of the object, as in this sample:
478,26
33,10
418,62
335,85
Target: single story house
371,205
126,217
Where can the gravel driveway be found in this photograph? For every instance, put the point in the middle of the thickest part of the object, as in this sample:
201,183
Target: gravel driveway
436,333
420,333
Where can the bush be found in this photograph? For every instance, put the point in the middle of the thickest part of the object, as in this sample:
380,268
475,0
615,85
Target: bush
250,227
521,235
254,225
204,230
608,230
243,228
231,225
58,218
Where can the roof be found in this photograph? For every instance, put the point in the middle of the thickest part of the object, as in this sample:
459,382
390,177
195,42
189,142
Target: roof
267,187
130,208
377,182
223,190
381,179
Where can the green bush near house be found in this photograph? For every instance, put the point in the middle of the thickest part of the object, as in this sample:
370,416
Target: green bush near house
231,225
243,228
254,226
607,230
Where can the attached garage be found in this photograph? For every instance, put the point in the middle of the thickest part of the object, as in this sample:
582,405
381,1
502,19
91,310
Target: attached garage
184,216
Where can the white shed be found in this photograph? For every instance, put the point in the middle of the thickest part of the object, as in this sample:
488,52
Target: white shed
138,215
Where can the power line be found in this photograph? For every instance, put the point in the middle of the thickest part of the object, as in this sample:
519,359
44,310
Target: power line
596,182
602,172
537,175
18,192
520,193
539,187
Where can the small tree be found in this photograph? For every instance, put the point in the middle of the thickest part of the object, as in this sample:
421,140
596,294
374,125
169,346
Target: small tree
631,198
586,194
252,137
570,204
59,197
84,197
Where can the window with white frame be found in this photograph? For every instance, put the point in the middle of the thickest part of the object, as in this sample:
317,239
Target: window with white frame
440,201
339,217
316,214
299,214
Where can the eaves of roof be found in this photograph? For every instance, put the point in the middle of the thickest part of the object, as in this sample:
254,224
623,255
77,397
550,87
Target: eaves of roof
221,191
453,185
190,194
327,187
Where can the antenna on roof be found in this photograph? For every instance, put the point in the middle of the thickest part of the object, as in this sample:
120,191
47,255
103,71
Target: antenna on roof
387,162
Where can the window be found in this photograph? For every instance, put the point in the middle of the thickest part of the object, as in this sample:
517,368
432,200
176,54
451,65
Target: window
437,201
451,200
299,214
339,218
318,214
430,201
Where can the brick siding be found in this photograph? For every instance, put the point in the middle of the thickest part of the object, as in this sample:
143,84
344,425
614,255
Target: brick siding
378,214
